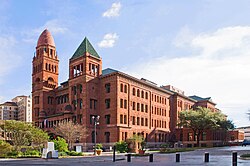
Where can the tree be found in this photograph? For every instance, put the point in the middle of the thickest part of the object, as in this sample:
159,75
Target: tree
39,136
20,133
71,132
23,134
200,119
60,144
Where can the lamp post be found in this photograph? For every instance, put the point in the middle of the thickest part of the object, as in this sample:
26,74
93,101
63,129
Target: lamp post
96,122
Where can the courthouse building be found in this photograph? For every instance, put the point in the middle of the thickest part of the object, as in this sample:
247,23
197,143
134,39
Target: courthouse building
126,105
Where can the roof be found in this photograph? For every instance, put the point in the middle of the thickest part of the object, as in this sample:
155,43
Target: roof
45,39
9,103
200,98
84,47
108,71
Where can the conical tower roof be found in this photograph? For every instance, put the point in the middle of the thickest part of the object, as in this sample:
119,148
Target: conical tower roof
84,47
45,39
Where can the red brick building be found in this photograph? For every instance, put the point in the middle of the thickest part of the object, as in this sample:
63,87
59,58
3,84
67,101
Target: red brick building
126,105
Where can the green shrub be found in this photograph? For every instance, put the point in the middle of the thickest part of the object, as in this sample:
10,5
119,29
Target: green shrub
32,153
98,146
60,144
62,154
5,148
74,153
15,154
245,155
165,145
121,146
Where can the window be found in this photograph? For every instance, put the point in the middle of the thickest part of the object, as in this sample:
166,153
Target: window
74,89
146,95
146,108
121,103
50,100
138,106
133,91
138,93
204,136
107,103
121,87
107,137
107,119
93,103
125,89
121,119
80,88
142,121
133,105
133,120
138,121
80,104
142,107
93,136
90,103
107,88
36,99
80,118
146,121
74,102
90,119
125,119
125,104
142,94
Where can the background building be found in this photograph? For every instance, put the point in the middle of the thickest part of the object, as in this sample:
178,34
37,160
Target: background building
8,111
24,104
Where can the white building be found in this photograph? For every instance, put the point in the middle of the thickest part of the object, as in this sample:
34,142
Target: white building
8,111
24,104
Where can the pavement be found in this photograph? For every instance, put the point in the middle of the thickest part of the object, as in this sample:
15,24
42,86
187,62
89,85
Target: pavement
217,157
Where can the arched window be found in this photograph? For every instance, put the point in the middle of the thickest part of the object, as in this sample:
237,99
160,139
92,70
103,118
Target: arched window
80,88
134,91
138,93
46,66
121,87
49,67
125,88
80,103
55,69
146,95
142,94
52,68
50,79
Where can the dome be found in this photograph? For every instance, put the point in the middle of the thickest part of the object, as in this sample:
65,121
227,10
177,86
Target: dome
45,39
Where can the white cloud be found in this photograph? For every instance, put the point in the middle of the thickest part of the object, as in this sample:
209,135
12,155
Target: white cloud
114,11
1,99
220,69
9,58
54,26
108,40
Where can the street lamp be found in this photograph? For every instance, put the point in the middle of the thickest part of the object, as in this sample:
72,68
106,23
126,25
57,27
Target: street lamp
96,122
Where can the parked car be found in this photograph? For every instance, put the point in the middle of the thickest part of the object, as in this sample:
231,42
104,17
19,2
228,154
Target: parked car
246,142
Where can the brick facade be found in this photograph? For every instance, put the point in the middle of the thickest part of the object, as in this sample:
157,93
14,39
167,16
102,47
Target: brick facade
126,105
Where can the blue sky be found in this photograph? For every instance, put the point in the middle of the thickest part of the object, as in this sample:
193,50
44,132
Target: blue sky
201,47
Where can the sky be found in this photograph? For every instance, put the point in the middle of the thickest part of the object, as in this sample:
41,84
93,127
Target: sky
201,47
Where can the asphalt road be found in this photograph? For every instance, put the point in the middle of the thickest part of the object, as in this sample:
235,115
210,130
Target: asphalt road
217,157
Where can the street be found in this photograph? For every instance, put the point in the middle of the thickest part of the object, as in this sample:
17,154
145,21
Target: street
217,156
